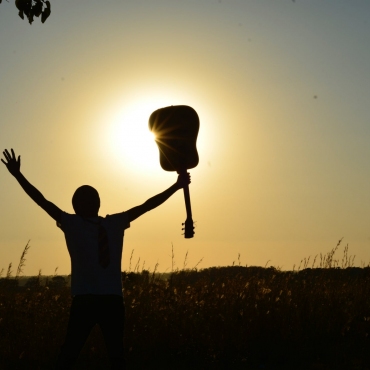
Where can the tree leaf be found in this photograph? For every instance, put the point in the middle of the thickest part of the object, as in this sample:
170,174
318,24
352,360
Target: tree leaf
26,6
46,13
30,16
37,8
19,4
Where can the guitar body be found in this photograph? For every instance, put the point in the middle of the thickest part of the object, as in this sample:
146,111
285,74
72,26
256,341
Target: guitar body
176,130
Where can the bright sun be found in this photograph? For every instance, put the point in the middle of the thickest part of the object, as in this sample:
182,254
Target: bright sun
130,139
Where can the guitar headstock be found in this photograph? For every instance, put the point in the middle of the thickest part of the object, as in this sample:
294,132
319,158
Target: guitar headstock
188,229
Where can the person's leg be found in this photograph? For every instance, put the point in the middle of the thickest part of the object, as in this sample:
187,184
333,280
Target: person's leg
81,320
112,321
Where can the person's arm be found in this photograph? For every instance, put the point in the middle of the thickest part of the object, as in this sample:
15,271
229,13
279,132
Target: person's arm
157,200
14,165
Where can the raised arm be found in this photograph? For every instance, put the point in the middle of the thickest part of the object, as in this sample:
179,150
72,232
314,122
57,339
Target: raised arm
157,200
14,165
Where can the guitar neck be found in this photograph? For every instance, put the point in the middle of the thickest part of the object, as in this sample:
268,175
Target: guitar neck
187,202
189,228
186,197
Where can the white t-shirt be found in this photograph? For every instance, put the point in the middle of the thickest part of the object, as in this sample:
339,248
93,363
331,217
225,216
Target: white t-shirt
88,277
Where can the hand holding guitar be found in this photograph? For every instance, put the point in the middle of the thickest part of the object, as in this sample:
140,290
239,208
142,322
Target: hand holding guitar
183,180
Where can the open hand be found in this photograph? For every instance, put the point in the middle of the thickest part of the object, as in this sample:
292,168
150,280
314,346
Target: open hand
12,163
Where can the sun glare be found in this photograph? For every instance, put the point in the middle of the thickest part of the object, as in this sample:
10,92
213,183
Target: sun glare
130,139
131,143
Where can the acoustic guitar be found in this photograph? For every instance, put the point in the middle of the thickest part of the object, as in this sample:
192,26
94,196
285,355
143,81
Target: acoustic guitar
176,130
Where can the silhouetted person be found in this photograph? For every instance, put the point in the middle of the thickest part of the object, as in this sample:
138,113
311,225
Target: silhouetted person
95,247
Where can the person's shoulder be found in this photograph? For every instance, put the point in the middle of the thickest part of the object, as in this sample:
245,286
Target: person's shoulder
65,219
117,215
120,219
70,216
121,216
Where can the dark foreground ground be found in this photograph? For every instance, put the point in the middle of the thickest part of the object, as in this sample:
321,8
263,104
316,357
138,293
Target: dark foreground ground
219,318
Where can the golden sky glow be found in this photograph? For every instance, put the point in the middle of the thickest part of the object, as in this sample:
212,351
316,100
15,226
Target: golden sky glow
281,90
129,140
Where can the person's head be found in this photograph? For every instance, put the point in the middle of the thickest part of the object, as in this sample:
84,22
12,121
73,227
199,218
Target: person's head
86,201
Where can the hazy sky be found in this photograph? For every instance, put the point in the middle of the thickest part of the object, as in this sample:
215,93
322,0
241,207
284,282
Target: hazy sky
282,91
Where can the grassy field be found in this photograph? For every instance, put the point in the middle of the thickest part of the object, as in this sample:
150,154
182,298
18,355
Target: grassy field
236,317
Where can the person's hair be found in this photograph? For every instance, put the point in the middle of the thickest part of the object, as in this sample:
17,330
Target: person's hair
86,201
